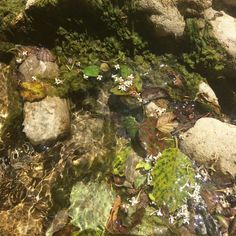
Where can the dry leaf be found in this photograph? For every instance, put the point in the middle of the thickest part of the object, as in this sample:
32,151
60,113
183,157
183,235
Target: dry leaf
166,123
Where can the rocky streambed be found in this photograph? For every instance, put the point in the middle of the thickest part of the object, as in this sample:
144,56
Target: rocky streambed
117,118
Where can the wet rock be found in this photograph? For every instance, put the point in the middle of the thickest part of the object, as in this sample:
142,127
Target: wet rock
164,17
207,95
34,67
191,8
224,29
46,120
212,141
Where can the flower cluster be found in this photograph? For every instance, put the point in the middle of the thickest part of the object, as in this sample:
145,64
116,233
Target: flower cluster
124,84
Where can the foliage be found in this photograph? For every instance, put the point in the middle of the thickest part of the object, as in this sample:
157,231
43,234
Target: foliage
90,205
206,52
9,9
91,71
119,163
119,17
131,126
173,176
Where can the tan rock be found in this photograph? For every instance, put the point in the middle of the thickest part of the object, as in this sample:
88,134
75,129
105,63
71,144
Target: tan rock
212,141
46,120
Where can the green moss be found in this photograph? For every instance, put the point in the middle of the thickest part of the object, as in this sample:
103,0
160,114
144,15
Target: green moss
205,51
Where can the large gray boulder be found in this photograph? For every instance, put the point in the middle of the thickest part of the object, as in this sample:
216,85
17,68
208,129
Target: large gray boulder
163,16
46,120
212,141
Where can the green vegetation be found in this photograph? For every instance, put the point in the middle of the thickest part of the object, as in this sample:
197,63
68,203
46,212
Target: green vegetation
173,178
205,51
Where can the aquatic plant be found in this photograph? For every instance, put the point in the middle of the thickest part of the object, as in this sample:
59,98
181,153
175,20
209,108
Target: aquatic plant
173,179
119,163
131,126
90,205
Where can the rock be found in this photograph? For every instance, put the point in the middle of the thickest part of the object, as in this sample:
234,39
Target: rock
207,95
164,17
191,8
224,29
212,141
46,120
230,2
32,68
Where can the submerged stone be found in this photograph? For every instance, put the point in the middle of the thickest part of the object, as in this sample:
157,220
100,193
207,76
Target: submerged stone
46,120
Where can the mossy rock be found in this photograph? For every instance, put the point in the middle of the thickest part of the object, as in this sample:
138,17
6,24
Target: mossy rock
205,51
173,178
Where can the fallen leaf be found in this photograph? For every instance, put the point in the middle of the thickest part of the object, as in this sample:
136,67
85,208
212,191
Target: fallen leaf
166,123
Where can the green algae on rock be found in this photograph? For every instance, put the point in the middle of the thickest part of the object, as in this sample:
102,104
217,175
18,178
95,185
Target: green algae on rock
173,178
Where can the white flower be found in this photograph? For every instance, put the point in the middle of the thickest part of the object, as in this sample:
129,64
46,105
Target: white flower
122,88
128,83
133,201
99,77
78,64
85,76
158,213
24,53
171,219
119,80
117,66
58,81
162,65
131,77
19,60
33,78
114,76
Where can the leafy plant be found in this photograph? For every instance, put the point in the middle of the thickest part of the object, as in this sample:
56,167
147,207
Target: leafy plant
90,205
173,178
91,71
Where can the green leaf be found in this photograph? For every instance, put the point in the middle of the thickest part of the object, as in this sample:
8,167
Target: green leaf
144,165
172,176
138,83
91,71
131,126
117,91
140,181
125,71
119,163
